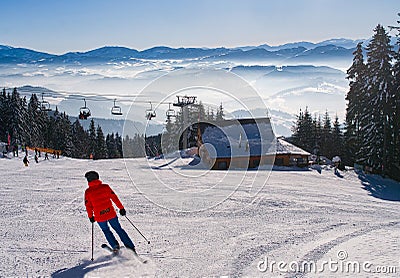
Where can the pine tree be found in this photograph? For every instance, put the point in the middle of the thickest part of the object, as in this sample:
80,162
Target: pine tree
101,148
18,118
34,137
378,115
318,134
326,136
118,143
79,141
168,139
112,151
210,115
63,134
220,113
304,128
395,172
355,105
134,147
337,140
92,143
3,116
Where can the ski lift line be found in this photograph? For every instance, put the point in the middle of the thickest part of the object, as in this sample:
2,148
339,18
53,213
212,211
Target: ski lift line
98,97
101,98
91,97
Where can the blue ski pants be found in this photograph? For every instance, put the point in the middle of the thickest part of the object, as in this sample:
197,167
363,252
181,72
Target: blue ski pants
121,233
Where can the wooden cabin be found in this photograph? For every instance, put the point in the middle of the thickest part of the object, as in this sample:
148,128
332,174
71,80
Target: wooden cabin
288,154
237,143
246,144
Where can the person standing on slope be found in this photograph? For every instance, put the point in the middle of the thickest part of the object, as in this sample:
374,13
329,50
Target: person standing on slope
25,160
99,207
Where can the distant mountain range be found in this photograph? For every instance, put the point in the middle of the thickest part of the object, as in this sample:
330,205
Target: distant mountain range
298,51
287,77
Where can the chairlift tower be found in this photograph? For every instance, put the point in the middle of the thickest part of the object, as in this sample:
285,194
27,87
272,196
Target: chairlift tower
184,102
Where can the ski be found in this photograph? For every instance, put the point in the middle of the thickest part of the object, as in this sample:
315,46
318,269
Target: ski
165,164
137,257
140,259
105,246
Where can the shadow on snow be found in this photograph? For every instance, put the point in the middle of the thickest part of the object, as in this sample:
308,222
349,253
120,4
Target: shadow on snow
379,187
79,271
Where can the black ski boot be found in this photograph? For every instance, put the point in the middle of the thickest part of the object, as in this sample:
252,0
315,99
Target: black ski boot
116,248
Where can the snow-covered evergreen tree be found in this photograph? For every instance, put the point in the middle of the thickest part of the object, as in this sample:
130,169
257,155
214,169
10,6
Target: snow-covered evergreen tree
3,116
304,131
355,103
101,147
34,136
220,113
377,148
326,136
118,143
395,171
79,141
16,112
112,151
63,132
337,139
92,139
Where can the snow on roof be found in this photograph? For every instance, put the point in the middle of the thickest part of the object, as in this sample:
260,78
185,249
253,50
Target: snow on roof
283,147
242,137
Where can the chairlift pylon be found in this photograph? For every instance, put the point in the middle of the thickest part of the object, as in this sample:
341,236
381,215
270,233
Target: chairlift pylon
116,110
150,113
170,112
84,112
185,101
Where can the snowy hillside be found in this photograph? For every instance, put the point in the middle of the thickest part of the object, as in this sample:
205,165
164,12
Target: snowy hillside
297,215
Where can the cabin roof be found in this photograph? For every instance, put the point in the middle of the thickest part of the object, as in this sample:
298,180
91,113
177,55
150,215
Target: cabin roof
284,147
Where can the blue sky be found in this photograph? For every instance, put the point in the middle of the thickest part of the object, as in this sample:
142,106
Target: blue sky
59,26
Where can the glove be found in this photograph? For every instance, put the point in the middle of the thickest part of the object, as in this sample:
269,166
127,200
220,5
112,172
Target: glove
92,219
122,212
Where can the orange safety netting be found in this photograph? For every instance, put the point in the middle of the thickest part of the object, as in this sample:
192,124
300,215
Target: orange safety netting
45,150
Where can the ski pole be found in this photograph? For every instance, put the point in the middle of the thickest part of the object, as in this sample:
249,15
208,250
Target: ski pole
137,229
92,239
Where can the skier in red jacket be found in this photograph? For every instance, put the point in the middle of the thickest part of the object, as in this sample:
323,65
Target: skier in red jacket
99,207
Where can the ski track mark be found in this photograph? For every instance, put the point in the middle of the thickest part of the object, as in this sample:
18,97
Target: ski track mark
245,258
318,252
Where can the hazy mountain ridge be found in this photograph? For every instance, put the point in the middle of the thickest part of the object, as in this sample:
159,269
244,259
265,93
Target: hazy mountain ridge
337,47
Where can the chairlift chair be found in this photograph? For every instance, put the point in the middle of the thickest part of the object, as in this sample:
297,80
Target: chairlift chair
44,105
116,110
84,112
150,113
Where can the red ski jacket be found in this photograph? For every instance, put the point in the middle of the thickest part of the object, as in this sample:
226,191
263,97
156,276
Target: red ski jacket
98,201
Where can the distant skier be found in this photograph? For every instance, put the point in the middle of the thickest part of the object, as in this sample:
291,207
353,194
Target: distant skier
25,160
46,156
337,165
99,207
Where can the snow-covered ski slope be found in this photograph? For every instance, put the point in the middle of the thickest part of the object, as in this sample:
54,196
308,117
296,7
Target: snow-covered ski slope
298,216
